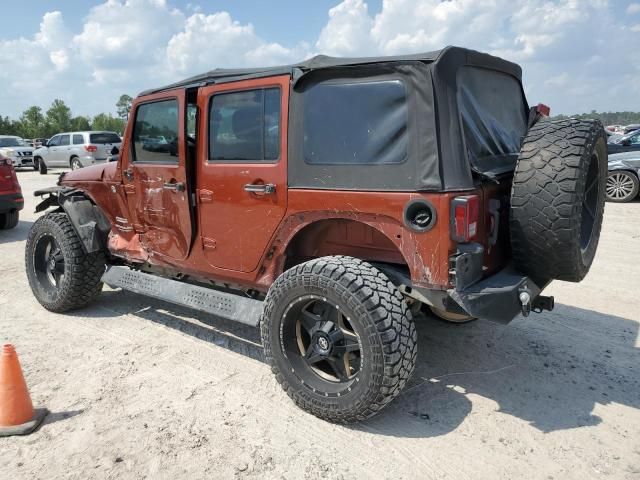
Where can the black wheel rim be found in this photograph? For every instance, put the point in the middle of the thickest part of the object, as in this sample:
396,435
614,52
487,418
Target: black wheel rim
48,262
590,202
321,344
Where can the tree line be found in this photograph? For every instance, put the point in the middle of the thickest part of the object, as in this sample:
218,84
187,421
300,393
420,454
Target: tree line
607,118
35,123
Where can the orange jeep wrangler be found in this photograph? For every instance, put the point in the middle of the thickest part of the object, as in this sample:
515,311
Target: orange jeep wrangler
328,201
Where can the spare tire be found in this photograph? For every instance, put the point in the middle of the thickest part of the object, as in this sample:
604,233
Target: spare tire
557,199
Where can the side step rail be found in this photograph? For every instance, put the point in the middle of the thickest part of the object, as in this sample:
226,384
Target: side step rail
223,304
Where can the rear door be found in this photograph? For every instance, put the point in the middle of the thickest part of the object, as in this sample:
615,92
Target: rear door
155,179
242,169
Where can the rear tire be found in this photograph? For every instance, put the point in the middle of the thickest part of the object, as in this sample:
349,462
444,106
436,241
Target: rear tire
557,199
339,338
75,164
61,275
622,187
9,220
42,167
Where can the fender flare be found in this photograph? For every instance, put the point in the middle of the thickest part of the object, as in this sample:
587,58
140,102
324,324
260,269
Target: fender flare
88,220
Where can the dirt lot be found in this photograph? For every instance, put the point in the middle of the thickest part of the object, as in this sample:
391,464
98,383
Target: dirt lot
143,389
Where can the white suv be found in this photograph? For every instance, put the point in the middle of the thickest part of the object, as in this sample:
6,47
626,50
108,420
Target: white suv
75,150
17,149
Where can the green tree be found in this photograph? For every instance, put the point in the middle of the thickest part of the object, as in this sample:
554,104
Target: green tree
58,117
32,123
123,106
106,121
80,123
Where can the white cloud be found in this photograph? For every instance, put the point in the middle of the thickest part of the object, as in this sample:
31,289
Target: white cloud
574,53
633,8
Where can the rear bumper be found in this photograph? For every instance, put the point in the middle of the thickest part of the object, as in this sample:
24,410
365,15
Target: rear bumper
496,298
11,201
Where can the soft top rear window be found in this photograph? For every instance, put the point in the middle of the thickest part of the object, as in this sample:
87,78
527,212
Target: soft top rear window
104,138
356,123
494,118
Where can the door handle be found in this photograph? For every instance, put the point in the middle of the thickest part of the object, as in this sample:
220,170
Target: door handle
175,186
264,189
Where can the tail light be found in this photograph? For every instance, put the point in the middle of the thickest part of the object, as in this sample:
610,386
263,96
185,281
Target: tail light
543,109
91,148
465,212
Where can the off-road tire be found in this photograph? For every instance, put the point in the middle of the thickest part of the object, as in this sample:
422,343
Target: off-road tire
81,284
377,309
548,196
42,167
9,220
631,183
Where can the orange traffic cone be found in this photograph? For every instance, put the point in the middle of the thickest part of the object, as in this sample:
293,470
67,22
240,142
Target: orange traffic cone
17,416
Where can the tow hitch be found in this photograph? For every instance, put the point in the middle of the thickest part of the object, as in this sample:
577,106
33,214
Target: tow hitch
539,304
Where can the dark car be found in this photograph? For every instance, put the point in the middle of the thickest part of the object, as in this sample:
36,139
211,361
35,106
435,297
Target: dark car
623,180
626,143
11,200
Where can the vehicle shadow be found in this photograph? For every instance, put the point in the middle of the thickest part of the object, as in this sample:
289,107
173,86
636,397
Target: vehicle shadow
550,370
16,234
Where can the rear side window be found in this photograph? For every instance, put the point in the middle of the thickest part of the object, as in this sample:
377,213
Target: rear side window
78,139
155,132
64,140
107,137
356,123
245,126
494,118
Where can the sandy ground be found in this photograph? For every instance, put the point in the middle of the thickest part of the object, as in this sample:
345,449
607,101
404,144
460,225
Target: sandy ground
143,389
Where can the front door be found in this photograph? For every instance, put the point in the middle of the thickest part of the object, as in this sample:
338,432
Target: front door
154,175
53,151
242,169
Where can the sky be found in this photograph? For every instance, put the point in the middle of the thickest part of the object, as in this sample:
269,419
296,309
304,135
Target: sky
576,55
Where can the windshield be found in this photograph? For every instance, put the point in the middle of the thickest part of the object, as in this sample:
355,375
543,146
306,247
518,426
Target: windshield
105,137
12,142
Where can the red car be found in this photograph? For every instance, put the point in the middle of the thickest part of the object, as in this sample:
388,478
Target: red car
11,200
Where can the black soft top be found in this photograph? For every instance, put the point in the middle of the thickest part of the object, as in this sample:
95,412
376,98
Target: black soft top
447,59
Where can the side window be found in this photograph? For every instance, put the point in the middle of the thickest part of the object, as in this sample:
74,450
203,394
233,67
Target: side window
64,140
155,132
78,139
635,140
245,126
54,141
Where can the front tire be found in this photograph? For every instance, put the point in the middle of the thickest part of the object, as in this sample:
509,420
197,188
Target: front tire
339,337
9,220
42,167
36,164
61,275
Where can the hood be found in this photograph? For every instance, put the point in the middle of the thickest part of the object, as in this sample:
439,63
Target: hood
94,173
17,149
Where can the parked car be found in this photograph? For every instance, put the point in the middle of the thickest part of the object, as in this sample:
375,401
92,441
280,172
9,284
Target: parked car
11,200
15,148
75,150
626,143
631,128
324,202
623,180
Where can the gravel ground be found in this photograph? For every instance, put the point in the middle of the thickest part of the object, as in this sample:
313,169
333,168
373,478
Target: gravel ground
143,389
